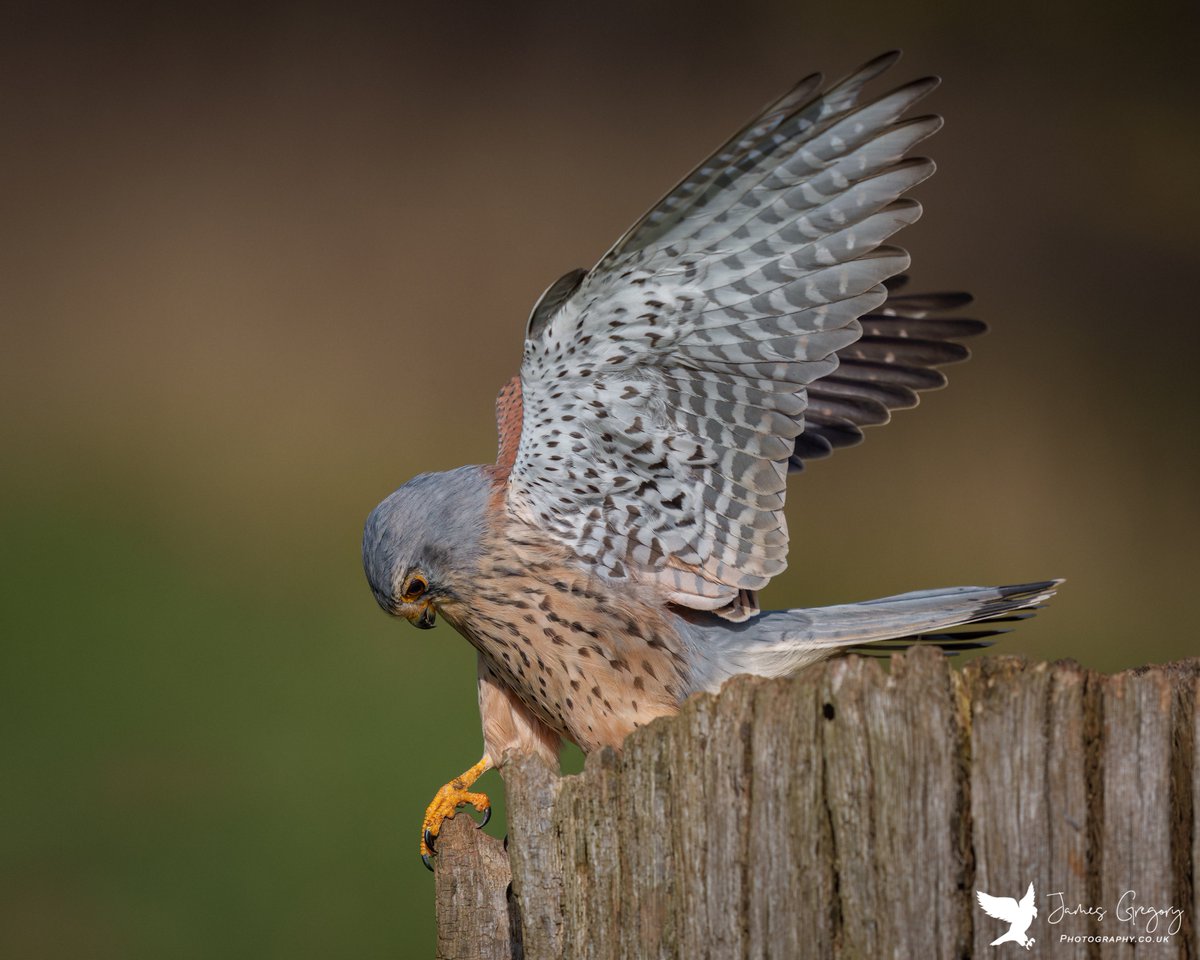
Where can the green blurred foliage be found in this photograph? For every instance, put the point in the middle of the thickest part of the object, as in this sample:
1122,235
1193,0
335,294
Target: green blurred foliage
263,264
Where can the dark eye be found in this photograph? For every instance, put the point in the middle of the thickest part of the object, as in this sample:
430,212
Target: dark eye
415,586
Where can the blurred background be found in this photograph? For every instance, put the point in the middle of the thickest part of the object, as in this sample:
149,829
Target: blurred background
261,264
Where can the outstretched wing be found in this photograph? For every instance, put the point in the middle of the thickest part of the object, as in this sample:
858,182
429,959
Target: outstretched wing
1002,908
1027,900
663,391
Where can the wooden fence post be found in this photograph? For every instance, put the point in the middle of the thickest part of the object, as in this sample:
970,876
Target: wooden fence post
850,811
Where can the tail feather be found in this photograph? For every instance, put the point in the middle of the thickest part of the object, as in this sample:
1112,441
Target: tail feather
781,641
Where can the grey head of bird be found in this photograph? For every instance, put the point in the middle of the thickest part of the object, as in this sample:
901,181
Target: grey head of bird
421,545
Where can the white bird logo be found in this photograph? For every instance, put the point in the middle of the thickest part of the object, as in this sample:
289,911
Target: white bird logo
1018,915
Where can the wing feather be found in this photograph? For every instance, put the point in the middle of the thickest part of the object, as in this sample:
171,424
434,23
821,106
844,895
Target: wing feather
665,393
902,343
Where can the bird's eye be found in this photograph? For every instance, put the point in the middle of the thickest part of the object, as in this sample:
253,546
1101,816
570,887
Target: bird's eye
415,586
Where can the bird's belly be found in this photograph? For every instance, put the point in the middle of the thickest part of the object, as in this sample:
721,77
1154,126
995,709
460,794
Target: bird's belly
591,662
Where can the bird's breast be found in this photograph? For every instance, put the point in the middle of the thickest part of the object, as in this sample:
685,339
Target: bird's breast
591,657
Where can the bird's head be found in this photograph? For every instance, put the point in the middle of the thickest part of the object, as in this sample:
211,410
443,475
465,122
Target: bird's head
421,544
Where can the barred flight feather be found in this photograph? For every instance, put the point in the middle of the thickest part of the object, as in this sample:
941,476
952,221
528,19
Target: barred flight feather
666,392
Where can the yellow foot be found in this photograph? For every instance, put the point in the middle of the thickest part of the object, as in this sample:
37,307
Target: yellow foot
446,802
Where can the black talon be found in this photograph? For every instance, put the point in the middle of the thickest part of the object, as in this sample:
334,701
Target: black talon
430,841
487,815
428,864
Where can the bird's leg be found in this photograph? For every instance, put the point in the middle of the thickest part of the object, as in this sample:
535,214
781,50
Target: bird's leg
446,802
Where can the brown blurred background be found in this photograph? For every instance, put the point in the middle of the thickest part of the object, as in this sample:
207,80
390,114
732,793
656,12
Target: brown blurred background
262,264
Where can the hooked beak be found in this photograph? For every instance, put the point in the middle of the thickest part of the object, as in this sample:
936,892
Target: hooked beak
421,614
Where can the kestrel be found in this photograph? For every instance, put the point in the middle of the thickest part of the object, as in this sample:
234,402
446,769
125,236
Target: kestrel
605,566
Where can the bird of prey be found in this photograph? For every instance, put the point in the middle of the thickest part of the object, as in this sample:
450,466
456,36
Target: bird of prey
606,565
1018,915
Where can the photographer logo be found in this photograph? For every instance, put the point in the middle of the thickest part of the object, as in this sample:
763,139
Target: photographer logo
1017,915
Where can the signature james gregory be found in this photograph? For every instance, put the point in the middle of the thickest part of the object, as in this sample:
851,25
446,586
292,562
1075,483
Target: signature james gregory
1128,910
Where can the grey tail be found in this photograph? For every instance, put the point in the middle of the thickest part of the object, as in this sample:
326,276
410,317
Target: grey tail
779,642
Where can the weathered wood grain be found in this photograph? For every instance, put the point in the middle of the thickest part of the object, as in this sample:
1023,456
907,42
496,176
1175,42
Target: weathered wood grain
1147,756
1029,729
793,894
471,875
895,795
1194,913
852,811
538,876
